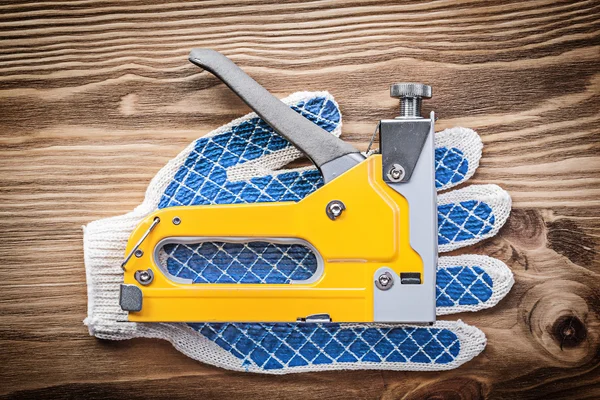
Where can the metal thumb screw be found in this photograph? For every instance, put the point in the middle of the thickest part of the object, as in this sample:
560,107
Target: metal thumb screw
410,95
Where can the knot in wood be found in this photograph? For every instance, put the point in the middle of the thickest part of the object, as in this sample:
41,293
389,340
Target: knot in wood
569,331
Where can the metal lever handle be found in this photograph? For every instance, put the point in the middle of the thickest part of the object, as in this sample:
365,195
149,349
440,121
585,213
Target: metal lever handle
331,155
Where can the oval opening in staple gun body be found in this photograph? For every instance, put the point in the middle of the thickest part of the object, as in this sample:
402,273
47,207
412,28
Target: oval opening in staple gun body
245,260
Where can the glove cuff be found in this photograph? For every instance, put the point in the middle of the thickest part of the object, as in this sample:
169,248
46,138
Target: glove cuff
104,244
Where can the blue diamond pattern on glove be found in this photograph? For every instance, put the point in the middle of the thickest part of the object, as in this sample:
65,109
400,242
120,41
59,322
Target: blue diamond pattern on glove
462,285
463,221
276,346
451,166
254,262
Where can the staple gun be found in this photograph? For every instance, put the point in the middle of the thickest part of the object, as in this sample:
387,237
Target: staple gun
372,227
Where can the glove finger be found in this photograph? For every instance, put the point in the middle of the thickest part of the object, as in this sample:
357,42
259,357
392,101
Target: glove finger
470,215
201,170
457,155
280,348
470,283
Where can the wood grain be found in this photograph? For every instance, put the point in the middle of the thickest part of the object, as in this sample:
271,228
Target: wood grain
95,97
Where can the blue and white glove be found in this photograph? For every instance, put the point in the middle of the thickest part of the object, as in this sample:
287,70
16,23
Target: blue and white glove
240,163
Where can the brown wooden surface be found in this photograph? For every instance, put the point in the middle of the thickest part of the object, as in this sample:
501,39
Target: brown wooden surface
95,97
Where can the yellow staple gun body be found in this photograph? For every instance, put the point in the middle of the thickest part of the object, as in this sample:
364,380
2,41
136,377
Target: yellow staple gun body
374,239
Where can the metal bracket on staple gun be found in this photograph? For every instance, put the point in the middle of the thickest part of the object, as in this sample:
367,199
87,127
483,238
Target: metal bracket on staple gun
401,140
387,275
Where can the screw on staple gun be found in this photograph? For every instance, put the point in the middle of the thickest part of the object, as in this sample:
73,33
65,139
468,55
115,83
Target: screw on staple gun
387,275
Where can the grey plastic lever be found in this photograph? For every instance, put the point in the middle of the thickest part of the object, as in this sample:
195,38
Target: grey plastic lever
331,155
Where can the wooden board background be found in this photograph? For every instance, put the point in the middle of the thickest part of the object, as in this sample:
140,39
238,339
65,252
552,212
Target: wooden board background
95,97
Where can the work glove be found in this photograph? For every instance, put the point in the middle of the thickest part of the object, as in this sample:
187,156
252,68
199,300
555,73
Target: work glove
241,163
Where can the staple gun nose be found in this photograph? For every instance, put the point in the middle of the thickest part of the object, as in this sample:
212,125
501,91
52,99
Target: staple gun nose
387,275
